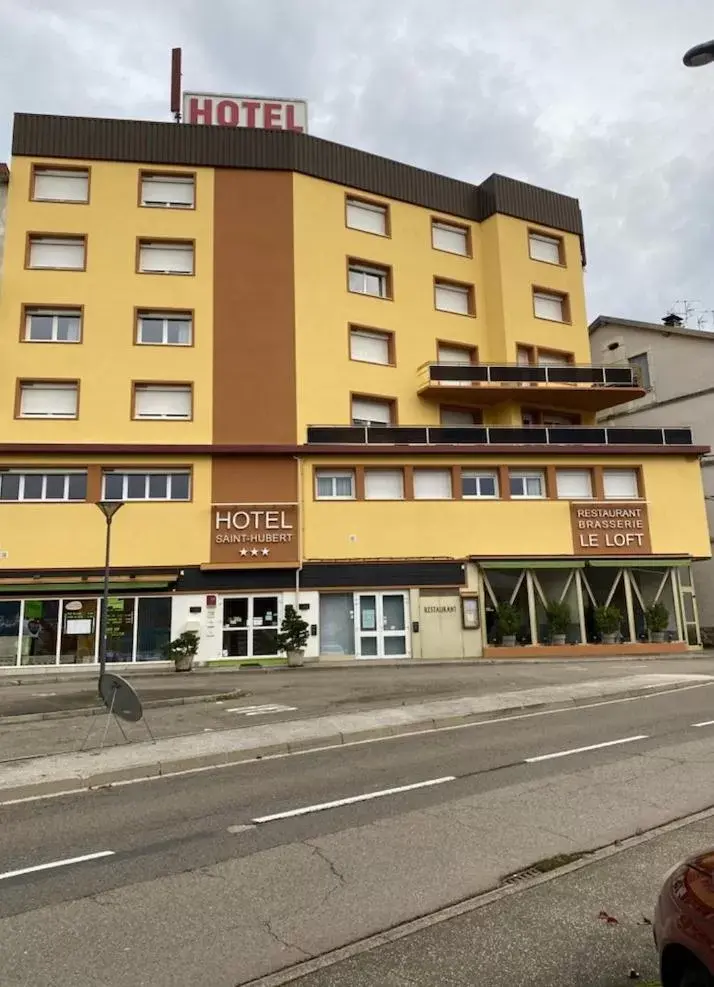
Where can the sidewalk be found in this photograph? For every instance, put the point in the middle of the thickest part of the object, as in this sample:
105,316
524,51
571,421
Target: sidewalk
71,771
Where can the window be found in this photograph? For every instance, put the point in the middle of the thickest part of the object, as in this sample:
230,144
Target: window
384,484
527,484
369,280
165,257
479,484
170,191
545,248
369,346
641,366
159,401
371,411
48,400
452,239
574,484
449,297
553,420
164,328
58,253
335,484
551,358
149,485
459,416
32,485
432,484
46,325
60,185
551,307
621,484
524,356
369,217
450,353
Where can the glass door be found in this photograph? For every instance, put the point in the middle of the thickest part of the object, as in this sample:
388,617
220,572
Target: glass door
250,626
381,625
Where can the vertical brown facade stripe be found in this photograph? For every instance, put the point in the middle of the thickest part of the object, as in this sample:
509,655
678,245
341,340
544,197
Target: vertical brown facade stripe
254,387
254,480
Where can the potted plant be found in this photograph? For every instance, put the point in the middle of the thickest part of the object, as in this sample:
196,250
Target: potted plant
607,621
182,650
508,621
559,619
657,620
293,636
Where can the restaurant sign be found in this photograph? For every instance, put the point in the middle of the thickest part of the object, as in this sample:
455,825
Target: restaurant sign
255,534
612,528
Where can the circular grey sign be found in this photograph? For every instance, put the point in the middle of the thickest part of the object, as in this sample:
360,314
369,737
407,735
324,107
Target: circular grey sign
119,697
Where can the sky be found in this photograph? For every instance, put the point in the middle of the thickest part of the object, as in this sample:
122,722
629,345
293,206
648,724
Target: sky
589,98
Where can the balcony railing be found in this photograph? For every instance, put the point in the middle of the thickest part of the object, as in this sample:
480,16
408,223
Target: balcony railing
480,373
495,435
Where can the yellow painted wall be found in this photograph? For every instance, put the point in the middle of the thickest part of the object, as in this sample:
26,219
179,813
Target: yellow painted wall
500,270
107,360
49,536
455,529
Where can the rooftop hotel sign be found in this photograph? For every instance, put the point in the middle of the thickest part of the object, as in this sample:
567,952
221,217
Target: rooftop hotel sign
250,112
255,534
611,528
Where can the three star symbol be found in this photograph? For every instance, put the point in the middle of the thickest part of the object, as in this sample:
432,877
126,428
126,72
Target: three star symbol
254,552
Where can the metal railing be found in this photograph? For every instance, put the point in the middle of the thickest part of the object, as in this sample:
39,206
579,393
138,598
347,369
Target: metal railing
503,373
495,435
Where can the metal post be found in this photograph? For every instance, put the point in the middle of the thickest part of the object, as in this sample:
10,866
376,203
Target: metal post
105,605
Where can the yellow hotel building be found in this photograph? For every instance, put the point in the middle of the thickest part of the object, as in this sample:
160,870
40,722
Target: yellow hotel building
314,376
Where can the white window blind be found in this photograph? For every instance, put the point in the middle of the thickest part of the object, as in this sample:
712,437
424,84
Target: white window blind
38,400
171,191
574,484
335,484
546,248
546,359
162,401
370,347
55,185
367,217
453,354
620,484
455,416
55,252
384,485
548,306
365,411
166,258
451,298
432,484
453,239
475,484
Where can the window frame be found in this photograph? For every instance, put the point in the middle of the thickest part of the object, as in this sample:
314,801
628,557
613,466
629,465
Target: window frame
75,238
322,472
71,169
379,469
369,267
526,474
464,286
55,311
372,205
492,474
139,385
166,314
477,413
635,470
437,221
126,472
574,469
145,173
46,383
644,355
353,327
552,238
143,241
378,398
22,472
552,293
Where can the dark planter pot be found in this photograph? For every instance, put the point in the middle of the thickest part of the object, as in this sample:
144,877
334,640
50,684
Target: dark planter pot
609,638
184,664
558,640
508,641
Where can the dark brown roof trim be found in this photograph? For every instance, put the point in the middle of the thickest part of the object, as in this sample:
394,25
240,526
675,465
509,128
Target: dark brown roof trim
336,449
40,135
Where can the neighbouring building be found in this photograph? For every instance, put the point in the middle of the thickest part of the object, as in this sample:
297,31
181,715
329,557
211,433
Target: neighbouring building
675,366
314,376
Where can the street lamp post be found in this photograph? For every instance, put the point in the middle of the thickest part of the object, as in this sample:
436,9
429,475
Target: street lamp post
699,55
108,509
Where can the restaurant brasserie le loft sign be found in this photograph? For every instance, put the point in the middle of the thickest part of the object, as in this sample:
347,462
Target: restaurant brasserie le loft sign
255,534
613,528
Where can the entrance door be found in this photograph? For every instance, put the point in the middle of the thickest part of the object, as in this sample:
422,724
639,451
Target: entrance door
381,625
250,626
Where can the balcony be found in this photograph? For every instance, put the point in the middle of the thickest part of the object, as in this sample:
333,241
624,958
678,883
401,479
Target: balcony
526,437
582,388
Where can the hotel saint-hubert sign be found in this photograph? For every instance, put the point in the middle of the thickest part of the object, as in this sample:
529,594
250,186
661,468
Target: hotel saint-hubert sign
255,534
612,528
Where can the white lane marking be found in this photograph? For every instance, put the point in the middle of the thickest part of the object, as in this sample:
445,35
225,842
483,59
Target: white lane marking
321,806
240,829
590,747
57,863
704,723
261,710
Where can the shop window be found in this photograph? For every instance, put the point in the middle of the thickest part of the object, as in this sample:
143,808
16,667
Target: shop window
337,624
120,628
509,586
604,586
78,641
9,631
39,632
556,586
153,627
